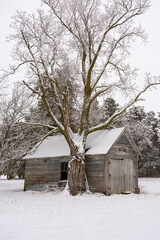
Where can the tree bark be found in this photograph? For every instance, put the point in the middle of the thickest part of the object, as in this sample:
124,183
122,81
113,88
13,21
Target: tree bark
76,176
76,167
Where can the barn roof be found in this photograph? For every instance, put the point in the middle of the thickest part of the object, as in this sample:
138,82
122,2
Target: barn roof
101,141
97,143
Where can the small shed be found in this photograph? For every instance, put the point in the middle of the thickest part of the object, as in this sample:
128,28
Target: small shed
111,163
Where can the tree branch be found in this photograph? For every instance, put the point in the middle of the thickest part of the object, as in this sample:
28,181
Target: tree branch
115,116
40,125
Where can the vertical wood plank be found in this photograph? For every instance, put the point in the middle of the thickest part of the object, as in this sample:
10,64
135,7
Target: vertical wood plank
130,175
116,176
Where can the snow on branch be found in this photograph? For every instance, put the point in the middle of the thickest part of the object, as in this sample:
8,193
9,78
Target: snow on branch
41,125
39,142
115,116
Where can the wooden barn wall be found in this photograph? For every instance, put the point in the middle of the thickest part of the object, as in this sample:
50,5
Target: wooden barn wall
122,143
95,172
47,170
122,150
43,170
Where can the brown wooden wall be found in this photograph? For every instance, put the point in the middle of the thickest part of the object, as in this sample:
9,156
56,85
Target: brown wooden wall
95,172
122,144
123,175
42,170
47,170
101,177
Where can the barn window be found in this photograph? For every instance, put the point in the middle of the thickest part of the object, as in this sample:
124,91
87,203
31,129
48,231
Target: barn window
64,166
122,149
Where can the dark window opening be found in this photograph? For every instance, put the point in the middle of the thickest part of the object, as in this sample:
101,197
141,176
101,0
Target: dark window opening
64,166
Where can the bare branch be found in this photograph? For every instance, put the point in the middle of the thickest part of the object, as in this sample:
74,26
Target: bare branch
115,116
40,125
30,88
40,141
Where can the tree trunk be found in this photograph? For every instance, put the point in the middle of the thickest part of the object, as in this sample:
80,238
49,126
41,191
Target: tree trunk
77,175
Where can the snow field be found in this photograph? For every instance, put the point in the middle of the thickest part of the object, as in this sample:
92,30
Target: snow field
57,215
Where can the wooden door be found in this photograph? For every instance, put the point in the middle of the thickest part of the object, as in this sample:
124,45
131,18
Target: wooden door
116,176
129,175
121,176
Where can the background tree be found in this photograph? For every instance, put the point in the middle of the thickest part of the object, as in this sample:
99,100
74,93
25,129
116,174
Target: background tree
100,112
145,130
16,139
109,108
96,114
83,42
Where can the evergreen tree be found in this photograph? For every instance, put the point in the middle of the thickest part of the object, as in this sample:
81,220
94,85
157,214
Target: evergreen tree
145,129
109,107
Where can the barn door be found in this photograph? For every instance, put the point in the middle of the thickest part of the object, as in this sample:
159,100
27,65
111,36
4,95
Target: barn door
121,176
116,176
129,175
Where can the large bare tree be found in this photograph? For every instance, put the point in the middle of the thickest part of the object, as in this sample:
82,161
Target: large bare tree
77,50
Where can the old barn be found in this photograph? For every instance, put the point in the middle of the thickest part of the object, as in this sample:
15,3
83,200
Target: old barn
111,163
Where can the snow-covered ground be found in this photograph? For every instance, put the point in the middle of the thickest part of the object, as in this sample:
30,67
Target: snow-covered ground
49,215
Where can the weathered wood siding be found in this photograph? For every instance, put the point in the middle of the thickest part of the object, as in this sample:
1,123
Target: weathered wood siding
43,170
95,172
113,172
130,175
115,176
122,143
122,167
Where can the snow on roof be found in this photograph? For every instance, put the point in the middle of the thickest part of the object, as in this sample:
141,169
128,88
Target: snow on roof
53,146
97,143
101,141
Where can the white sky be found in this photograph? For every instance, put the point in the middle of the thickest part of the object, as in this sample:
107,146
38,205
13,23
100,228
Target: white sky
144,57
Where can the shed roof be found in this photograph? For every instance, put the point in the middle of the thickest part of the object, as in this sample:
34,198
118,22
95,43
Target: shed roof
101,141
97,143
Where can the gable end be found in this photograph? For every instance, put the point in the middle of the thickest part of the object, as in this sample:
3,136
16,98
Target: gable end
123,147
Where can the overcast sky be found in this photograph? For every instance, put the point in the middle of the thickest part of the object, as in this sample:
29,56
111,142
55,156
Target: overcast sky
145,57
